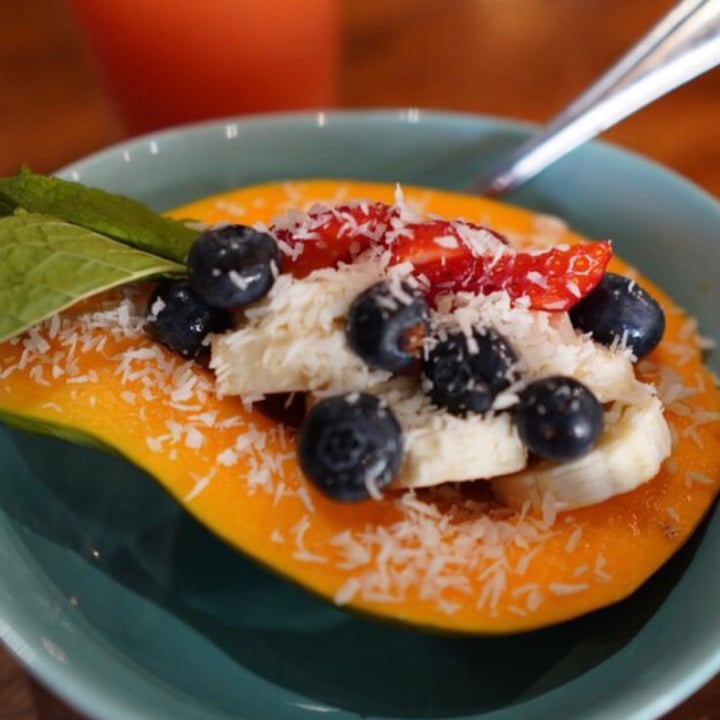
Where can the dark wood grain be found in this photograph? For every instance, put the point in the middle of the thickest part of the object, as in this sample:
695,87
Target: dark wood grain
520,58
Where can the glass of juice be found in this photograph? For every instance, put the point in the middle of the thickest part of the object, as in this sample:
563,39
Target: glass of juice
167,62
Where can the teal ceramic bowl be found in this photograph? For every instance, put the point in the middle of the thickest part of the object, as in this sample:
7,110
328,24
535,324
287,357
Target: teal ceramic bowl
123,605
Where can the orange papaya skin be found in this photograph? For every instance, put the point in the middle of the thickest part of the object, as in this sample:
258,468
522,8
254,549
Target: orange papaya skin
234,469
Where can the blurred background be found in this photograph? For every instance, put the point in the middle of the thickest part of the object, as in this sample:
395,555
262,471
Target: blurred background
519,58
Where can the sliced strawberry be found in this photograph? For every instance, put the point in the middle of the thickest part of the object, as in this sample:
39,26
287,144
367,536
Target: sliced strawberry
448,256
436,251
443,253
325,238
554,279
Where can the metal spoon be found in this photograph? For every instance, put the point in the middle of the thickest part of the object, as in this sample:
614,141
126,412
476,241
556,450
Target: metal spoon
681,46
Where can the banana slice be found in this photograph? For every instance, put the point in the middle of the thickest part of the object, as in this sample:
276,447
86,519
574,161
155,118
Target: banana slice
440,447
548,344
458,449
628,454
294,340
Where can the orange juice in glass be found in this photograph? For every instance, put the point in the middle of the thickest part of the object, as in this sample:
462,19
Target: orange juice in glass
167,62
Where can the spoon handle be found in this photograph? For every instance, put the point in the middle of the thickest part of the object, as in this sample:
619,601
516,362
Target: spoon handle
683,45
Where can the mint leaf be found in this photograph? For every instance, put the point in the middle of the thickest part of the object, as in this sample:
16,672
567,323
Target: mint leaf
47,264
116,216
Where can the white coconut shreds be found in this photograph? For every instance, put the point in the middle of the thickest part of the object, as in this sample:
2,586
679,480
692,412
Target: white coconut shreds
443,543
546,344
430,552
442,538
364,221
294,338
439,548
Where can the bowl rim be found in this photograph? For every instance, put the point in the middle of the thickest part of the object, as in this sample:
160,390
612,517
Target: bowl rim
321,118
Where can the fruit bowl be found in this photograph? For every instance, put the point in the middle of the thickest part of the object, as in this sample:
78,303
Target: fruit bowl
125,606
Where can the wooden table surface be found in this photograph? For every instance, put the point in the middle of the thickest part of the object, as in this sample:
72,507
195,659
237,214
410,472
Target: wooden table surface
519,58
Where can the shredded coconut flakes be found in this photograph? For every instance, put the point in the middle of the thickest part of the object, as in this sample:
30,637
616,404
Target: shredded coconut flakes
440,539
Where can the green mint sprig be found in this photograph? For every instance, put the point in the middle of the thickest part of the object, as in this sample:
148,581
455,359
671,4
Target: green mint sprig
115,216
64,242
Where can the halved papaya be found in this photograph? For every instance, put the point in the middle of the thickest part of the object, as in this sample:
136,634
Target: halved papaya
446,559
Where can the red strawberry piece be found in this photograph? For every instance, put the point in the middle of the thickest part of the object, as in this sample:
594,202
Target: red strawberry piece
554,279
445,253
438,254
451,261
327,237
447,256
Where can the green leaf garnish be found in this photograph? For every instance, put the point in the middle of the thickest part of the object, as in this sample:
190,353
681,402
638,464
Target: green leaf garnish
47,264
116,216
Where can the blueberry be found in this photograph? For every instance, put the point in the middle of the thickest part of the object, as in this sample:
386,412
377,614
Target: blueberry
233,265
558,418
465,374
349,445
386,325
618,307
180,318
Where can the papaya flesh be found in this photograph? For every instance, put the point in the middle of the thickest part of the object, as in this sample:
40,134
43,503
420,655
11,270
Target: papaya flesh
445,558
